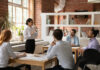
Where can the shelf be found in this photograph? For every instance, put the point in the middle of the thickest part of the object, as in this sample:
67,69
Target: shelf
68,23
60,25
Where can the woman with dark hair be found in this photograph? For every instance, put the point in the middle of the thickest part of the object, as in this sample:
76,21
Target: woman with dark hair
30,34
91,53
6,50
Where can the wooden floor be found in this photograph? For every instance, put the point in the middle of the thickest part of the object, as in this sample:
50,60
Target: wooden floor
92,67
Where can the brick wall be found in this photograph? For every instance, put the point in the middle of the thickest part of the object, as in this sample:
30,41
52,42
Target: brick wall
3,9
97,7
72,5
37,12
42,6
47,5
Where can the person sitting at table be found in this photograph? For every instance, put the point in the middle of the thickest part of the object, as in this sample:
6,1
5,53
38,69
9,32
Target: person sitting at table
93,44
62,51
73,39
6,50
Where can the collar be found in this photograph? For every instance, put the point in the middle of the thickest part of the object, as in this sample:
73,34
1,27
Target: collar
92,39
58,42
29,26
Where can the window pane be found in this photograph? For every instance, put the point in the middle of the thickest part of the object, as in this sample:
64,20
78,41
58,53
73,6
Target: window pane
25,15
17,1
25,3
18,15
9,0
10,13
14,14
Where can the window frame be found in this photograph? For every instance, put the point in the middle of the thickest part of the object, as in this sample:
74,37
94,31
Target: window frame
19,6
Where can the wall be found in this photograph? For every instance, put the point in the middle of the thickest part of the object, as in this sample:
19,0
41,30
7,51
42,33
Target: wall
37,12
48,6
42,6
97,7
72,5
3,9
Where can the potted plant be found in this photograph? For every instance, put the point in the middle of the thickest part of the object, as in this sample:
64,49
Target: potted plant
20,32
5,24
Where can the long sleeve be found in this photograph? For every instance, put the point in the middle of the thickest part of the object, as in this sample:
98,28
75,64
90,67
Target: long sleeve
77,41
27,33
52,53
68,39
10,51
49,49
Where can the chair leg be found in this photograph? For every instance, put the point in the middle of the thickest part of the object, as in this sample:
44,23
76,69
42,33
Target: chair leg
84,67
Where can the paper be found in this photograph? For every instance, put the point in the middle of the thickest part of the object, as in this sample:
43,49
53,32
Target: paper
34,57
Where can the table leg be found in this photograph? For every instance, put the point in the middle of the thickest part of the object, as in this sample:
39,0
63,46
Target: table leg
75,56
43,67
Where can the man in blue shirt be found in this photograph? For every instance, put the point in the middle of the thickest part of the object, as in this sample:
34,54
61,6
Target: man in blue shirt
62,50
73,39
91,53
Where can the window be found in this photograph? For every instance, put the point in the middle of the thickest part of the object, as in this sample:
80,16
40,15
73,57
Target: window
18,11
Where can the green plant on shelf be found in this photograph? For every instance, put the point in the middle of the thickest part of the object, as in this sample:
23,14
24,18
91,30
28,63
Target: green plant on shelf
20,30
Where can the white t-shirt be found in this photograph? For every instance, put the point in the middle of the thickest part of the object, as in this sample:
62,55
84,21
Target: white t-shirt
27,33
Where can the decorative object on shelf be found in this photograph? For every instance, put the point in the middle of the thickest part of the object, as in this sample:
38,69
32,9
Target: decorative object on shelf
48,20
60,6
72,21
64,21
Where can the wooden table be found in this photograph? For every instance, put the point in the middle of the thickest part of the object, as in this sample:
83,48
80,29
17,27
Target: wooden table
34,62
74,49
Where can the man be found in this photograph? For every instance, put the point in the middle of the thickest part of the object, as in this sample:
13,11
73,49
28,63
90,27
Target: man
91,52
93,43
62,51
73,39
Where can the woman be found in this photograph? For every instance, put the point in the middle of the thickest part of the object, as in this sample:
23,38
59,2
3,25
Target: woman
6,50
30,34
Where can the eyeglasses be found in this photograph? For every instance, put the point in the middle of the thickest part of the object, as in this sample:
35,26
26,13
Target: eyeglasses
31,22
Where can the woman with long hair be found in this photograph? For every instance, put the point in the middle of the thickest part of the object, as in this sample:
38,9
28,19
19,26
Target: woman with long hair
6,50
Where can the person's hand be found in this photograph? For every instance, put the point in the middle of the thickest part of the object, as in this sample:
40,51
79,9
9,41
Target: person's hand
32,33
21,55
53,43
73,45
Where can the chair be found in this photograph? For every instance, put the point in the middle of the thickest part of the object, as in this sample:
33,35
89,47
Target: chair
90,56
92,63
93,56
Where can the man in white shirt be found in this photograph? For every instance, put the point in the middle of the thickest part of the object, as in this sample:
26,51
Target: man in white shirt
62,51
